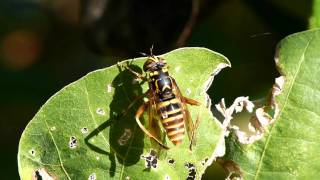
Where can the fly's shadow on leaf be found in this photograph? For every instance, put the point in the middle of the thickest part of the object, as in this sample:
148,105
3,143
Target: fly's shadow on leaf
125,137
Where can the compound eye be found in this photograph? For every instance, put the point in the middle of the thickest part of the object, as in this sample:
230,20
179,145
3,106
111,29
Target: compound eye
148,64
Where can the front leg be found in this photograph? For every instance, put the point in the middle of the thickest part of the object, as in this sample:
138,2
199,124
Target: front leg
136,74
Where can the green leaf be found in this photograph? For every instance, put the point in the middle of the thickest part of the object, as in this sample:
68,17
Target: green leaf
290,147
314,21
78,134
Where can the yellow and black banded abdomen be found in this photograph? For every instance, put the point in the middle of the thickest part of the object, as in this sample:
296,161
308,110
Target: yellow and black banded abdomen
172,119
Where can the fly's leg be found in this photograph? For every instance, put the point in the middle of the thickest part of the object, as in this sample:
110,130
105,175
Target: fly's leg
191,101
136,74
139,113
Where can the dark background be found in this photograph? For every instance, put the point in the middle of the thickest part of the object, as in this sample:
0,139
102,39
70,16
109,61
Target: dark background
45,45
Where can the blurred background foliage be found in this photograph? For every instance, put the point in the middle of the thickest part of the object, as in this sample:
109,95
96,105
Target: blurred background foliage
47,44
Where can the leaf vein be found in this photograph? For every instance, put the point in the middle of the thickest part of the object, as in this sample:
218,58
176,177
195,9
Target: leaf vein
56,146
92,116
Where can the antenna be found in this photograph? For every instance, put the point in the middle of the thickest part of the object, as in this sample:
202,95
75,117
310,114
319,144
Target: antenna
151,50
143,54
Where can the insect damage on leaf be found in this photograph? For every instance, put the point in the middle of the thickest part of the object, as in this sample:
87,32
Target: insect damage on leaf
276,91
151,160
203,162
92,176
84,130
167,177
260,116
239,105
32,152
101,112
73,142
191,171
171,161
42,174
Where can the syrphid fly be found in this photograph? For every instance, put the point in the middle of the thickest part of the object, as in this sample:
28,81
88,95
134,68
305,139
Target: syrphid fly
165,104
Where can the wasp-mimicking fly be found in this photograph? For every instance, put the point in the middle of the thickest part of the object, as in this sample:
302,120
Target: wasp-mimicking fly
165,103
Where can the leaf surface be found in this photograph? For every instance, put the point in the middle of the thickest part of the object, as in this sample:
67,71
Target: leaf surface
315,17
290,148
78,134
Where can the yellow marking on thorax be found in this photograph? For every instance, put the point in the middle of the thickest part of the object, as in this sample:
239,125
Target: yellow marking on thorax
154,73
166,87
164,69
157,87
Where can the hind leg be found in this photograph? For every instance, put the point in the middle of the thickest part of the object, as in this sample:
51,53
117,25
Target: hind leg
139,113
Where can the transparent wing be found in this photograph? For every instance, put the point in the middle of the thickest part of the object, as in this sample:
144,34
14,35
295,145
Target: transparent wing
187,118
154,126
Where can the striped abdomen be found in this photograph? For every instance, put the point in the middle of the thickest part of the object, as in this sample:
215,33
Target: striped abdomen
172,119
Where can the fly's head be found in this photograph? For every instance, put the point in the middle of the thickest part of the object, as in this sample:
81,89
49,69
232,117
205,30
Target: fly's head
154,63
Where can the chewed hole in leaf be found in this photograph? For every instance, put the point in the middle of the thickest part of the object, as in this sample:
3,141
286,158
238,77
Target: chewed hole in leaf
257,115
127,178
109,88
244,115
73,142
171,161
32,152
151,160
92,176
101,112
191,171
53,128
188,91
84,130
167,177
42,174
203,162
125,137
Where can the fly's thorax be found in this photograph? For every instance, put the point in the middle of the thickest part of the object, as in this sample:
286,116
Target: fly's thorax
162,84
